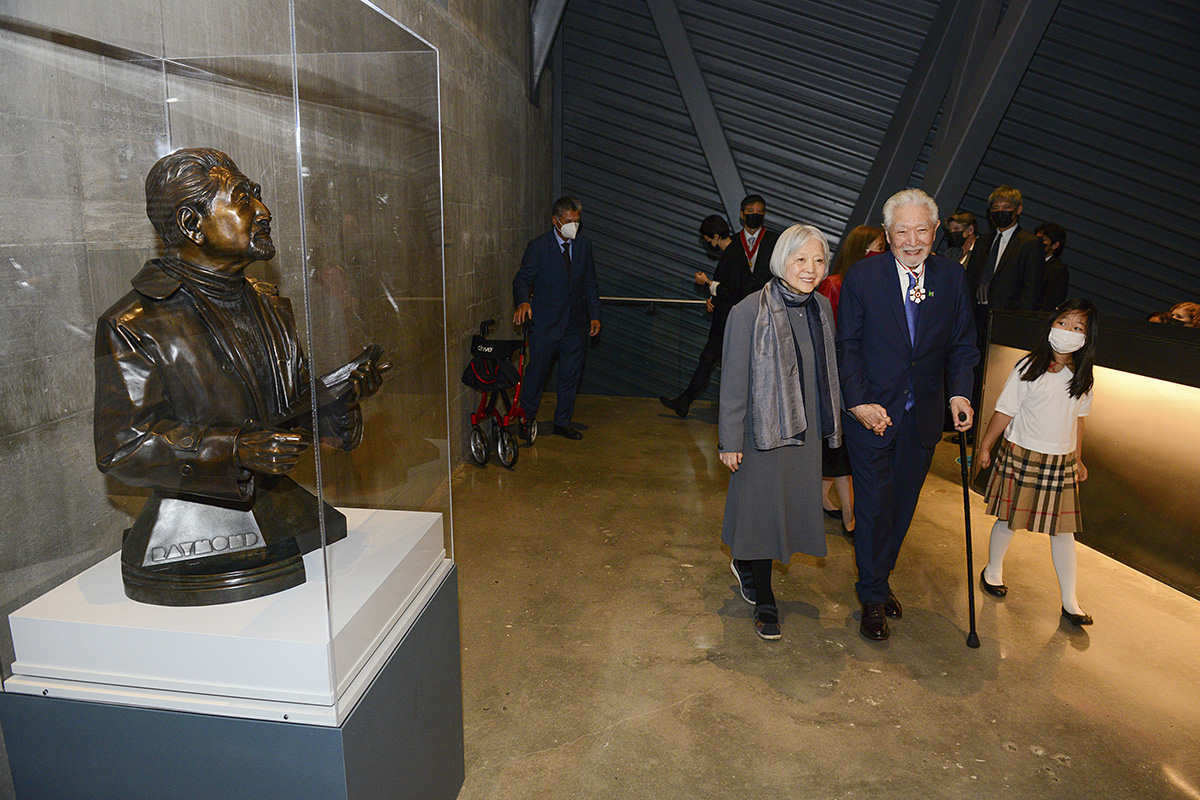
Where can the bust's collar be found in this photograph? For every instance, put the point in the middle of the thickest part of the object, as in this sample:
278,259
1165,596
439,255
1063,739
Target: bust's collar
154,283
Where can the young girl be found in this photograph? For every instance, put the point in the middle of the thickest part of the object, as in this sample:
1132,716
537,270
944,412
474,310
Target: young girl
1041,411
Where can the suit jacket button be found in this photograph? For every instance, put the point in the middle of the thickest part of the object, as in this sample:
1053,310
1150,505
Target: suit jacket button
227,367
185,441
913,364
185,470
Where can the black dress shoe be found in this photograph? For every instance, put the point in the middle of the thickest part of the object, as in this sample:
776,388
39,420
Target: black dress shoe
995,590
1077,619
892,607
567,431
832,513
874,624
676,404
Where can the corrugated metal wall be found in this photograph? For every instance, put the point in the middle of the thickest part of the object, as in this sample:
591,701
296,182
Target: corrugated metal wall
1100,137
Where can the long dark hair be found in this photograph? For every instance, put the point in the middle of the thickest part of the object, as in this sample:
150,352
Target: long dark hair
1041,357
854,248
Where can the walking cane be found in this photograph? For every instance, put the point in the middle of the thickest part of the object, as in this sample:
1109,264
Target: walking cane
972,637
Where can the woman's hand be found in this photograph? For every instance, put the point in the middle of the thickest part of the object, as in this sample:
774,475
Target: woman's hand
1080,471
984,457
731,460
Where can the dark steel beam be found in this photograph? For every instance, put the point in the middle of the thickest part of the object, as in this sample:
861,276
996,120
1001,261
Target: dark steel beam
699,105
985,103
544,18
976,38
915,113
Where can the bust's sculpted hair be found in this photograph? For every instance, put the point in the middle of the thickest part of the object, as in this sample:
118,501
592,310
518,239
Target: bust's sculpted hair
180,180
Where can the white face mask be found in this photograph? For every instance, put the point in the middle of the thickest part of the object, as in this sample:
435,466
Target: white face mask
568,230
1065,341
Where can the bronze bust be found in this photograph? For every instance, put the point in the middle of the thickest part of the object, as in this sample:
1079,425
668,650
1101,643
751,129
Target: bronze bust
202,395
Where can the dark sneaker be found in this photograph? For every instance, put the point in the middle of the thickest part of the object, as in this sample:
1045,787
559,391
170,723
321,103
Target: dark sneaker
745,581
766,630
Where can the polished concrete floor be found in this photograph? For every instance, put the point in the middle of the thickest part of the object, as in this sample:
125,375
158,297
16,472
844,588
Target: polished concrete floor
607,655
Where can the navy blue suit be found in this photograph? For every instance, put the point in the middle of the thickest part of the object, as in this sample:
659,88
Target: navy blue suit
878,363
563,301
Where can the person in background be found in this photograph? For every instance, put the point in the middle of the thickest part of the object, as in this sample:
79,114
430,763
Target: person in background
779,397
556,289
714,235
904,324
1056,278
743,269
1187,313
1034,485
961,232
861,242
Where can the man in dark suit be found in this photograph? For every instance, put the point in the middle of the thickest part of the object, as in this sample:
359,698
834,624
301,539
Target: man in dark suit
1005,269
1056,278
904,325
744,268
556,290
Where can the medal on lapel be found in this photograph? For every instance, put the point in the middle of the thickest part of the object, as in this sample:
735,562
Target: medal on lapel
918,294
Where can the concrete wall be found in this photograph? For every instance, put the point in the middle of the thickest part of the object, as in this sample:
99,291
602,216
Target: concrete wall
496,164
67,250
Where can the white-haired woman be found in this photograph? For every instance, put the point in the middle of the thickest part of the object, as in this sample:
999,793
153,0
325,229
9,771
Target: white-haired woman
779,399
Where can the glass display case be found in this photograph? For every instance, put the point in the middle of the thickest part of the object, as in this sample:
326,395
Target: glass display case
333,109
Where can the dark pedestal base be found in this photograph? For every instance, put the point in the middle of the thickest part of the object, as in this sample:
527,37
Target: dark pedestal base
403,741
187,552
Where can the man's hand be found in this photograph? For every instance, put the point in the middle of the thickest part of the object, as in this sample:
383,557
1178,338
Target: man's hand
270,451
960,405
594,327
523,312
708,306
731,460
873,417
701,279
366,380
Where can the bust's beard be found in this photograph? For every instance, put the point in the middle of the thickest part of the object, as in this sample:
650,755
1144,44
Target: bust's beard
261,247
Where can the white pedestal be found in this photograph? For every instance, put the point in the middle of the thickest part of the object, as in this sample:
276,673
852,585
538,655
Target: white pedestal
304,655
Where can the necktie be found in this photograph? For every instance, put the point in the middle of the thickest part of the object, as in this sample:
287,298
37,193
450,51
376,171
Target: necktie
567,255
910,313
989,270
910,308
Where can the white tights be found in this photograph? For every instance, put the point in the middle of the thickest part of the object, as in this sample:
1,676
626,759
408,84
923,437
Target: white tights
1062,552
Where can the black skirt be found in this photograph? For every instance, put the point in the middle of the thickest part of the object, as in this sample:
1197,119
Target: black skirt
835,461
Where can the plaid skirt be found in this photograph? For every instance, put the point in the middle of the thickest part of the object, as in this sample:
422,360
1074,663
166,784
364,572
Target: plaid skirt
1033,491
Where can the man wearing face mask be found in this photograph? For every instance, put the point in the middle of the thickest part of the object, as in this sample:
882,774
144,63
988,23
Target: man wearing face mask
1056,278
556,291
960,236
1005,270
742,270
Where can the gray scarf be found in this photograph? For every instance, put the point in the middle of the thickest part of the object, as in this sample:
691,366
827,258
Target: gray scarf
776,398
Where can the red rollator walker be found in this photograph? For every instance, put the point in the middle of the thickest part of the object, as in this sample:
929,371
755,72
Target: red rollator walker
491,372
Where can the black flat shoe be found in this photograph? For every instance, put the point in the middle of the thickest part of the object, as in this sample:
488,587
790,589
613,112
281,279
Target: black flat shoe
832,513
1077,619
676,404
892,607
995,590
848,533
874,624
567,431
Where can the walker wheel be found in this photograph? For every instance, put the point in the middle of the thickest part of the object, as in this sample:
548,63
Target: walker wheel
529,431
478,443
506,448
